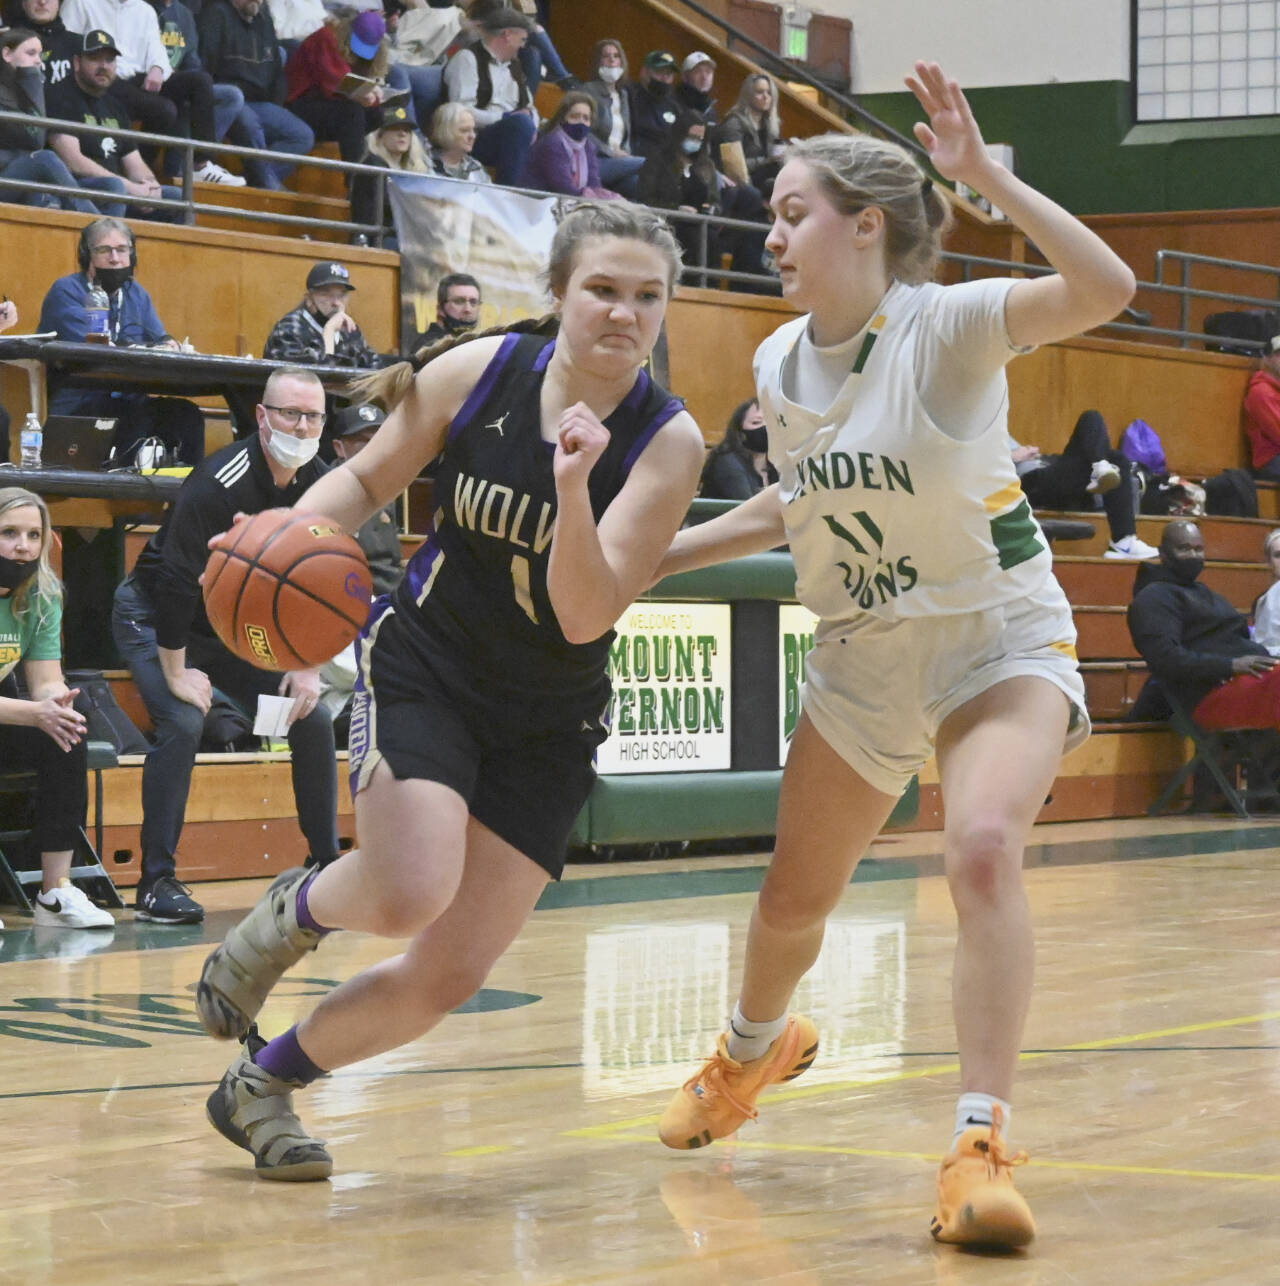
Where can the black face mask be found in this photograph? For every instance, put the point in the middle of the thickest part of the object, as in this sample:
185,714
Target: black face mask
14,574
111,279
1186,571
455,325
756,439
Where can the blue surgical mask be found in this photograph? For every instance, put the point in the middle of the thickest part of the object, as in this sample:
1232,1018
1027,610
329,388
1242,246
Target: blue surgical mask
577,131
691,146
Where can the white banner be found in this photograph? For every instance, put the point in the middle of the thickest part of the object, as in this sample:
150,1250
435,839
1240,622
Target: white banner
795,637
500,237
670,666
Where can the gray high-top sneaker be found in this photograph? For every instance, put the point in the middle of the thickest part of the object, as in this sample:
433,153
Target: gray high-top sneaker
238,976
254,1110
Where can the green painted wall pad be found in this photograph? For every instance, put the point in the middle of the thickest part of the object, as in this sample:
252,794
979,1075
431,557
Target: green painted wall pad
654,807
1078,143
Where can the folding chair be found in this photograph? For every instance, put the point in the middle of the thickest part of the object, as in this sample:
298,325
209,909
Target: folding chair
20,866
1241,762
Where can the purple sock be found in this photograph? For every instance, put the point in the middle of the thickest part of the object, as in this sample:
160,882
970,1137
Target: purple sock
285,1058
305,918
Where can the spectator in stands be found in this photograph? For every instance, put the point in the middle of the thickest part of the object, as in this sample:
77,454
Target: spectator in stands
611,128
379,537
355,46
563,159
680,176
396,146
42,730
653,103
182,43
1262,414
419,38
87,96
693,93
487,78
1087,470
320,331
753,123
239,47
453,135
457,310
1266,610
159,625
42,17
108,258
738,466
164,101
1196,645
537,53
23,154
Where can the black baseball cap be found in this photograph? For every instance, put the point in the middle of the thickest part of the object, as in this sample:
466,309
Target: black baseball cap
96,41
357,419
395,118
329,274
660,60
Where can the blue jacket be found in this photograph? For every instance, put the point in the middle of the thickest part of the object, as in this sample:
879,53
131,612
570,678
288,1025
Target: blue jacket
133,321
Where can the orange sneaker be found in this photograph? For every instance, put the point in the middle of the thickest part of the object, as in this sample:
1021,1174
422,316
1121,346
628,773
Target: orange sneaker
977,1202
723,1094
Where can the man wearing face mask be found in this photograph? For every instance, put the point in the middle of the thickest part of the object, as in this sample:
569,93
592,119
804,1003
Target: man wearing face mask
1196,645
653,103
108,258
320,331
457,310
160,628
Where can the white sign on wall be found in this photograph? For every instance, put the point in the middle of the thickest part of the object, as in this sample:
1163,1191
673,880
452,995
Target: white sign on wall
670,667
795,637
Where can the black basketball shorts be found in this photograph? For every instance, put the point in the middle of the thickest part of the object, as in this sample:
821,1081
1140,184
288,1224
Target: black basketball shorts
526,783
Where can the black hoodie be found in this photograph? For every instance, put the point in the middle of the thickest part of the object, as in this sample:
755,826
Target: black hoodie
1187,634
59,43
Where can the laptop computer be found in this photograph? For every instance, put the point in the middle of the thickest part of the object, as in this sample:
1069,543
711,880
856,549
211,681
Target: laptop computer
77,441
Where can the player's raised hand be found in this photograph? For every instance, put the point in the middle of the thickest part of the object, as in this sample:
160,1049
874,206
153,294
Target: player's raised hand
580,442
952,137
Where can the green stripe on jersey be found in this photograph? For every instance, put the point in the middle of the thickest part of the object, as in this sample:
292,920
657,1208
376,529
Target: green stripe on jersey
1016,536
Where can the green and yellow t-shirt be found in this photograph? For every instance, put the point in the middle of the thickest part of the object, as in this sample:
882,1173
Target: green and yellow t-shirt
36,637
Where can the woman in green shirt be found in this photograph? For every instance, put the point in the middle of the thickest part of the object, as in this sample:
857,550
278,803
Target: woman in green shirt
43,732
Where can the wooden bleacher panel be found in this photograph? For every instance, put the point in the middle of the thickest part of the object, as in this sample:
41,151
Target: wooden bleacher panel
308,180
1107,582
308,205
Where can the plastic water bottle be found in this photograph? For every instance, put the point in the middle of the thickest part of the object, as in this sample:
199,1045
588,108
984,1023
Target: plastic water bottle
98,307
32,441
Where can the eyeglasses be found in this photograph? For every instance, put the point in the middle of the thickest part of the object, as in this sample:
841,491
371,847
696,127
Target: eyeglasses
293,417
105,252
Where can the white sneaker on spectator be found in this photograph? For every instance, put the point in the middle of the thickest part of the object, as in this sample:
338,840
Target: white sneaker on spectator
1131,547
1104,477
67,907
211,172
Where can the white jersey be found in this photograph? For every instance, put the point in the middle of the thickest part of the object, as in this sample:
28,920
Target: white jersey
886,513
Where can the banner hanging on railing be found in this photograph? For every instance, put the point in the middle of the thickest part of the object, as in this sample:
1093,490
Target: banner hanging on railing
502,238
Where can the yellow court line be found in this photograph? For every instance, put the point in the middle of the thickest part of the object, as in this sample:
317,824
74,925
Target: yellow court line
827,1149
479,1151
610,1130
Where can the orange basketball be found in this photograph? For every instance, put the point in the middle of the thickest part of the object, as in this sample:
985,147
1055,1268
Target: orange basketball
287,590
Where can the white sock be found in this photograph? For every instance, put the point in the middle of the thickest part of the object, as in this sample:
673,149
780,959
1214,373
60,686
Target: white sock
976,1109
748,1040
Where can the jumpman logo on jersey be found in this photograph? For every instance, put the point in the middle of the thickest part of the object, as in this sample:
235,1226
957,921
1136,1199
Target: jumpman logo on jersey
499,422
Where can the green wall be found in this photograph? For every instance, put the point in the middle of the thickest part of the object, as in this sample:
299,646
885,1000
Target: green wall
1076,143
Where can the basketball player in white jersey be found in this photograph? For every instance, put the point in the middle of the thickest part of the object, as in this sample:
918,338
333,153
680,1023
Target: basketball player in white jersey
942,630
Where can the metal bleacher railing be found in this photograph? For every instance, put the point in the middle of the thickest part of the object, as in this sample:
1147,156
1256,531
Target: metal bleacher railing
702,271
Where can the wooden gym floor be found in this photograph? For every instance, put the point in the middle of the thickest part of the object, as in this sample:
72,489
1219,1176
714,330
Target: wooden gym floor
516,1143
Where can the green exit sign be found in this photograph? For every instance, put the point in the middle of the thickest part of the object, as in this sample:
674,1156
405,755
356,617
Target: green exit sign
797,43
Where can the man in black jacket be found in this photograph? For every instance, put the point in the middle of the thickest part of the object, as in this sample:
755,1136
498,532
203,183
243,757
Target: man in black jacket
176,660
1196,645
238,46
653,103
